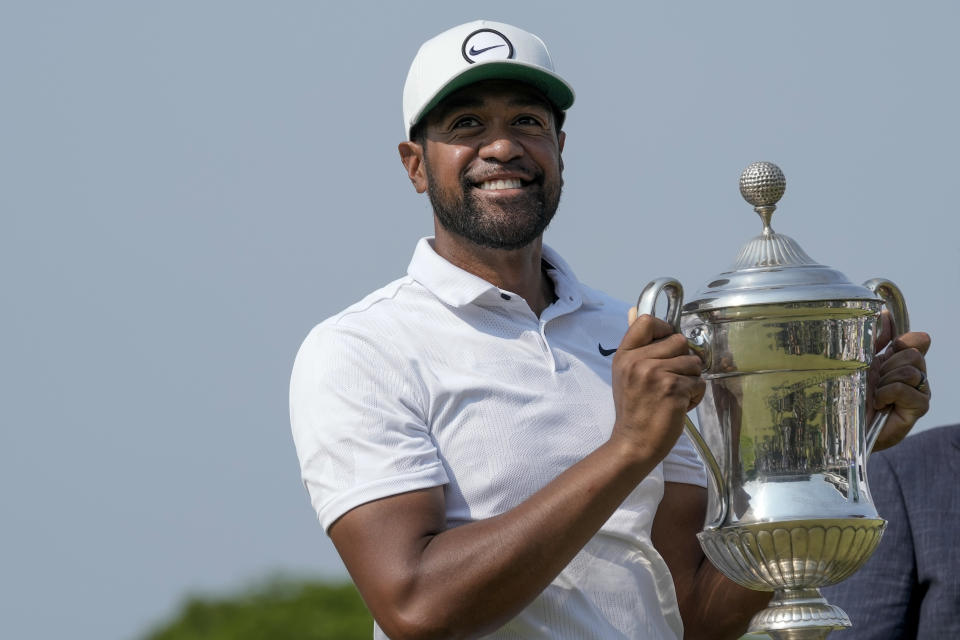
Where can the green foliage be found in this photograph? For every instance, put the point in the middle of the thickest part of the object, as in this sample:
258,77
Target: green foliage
278,610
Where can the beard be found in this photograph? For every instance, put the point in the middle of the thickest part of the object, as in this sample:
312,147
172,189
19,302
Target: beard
512,225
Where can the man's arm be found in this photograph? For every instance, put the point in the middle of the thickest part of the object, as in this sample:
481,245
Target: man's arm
422,580
711,605
425,581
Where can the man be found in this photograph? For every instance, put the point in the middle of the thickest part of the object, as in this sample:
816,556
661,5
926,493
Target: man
910,586
481,458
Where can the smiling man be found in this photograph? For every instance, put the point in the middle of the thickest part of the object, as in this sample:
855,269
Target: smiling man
483,458
524,190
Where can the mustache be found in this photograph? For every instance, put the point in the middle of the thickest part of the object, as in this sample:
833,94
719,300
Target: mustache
492,170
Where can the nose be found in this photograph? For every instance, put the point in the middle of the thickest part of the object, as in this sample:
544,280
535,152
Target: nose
500,146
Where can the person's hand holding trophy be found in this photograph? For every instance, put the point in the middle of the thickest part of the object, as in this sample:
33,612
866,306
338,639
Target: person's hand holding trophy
788,418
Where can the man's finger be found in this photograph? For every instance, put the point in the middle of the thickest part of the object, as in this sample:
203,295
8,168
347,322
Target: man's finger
688,365
893,432
645,330
665,348
905,397
914,340
700,388
886,330
908,357
909,375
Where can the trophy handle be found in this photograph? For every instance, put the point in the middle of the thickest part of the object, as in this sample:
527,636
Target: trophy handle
893,299
648,299
646,304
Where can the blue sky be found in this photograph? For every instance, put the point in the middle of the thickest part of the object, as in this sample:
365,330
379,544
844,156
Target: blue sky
188,187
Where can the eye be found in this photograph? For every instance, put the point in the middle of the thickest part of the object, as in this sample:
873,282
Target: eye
528,121
465,122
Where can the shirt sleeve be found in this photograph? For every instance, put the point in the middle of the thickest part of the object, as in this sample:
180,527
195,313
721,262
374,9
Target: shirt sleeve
357,420
683,464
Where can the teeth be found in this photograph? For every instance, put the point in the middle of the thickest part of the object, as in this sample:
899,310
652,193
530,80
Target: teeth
495,185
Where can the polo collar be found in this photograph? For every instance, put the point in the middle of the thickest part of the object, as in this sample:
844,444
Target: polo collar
565,280
451,284
458,288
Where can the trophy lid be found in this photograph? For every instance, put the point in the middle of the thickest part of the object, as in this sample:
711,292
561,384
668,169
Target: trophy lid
771,268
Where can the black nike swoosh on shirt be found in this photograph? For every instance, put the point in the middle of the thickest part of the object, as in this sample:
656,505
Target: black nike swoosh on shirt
605,352
475,52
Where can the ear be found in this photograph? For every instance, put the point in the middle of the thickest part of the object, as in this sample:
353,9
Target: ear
561,138
411,155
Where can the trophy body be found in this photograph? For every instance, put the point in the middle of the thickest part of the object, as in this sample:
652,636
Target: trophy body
784,413
784,430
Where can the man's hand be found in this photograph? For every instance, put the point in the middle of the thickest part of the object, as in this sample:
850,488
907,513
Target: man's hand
656,381
898,381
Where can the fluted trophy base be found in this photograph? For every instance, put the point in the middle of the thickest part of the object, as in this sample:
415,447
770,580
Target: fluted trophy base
794,558
799,614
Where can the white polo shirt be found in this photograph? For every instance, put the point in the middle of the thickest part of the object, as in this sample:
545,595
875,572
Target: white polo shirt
442,379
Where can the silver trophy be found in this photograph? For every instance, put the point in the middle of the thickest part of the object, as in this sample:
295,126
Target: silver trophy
783,431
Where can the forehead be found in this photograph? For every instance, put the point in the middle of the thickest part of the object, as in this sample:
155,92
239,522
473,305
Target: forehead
492,93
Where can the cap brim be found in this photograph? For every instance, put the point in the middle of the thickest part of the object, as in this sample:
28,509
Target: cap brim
553,87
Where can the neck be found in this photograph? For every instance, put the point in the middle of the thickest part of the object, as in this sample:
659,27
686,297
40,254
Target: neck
517,270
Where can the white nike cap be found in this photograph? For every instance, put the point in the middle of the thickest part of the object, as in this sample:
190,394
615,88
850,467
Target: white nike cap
480,50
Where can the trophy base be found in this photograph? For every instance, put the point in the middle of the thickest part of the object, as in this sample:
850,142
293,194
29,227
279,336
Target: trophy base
792,559
793,554
799,614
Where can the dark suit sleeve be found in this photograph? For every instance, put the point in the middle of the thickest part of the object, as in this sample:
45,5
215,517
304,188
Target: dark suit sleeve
878,596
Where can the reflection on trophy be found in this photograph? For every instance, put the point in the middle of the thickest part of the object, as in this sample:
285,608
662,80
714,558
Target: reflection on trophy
783,431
